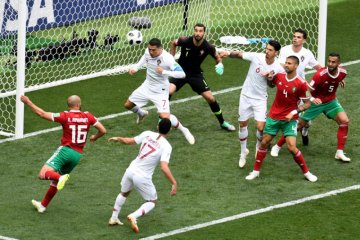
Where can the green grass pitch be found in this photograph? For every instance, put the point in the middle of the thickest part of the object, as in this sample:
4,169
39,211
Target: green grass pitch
211,186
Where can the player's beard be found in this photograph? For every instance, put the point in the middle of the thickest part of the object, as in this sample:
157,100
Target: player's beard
332,70
288,71
198,38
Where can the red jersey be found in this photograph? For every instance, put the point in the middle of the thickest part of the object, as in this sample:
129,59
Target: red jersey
76,125
288,94
324,86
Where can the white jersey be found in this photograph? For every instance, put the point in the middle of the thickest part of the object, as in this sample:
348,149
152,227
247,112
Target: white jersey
306,58
255,85
154,81
154,148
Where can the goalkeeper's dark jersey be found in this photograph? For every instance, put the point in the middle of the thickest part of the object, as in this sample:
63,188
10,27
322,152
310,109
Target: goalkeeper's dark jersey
192,56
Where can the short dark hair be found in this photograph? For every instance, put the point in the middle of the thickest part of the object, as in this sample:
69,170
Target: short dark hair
295,58
155,42
164,125
275,44
200,25
334,54
302,31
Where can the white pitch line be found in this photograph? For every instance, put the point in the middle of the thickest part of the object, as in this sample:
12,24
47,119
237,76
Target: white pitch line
7,238
251,213
152,107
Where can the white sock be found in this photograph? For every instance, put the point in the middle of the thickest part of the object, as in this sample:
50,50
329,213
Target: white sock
305,131
176,123
341,152
119,202
259,136
144,209
138,110
243,134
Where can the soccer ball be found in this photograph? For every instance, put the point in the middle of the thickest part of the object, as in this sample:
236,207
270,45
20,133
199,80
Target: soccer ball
134,37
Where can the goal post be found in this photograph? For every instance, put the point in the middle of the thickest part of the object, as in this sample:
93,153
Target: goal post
47,43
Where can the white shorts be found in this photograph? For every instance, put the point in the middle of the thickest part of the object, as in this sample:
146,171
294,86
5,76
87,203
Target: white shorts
142,184
249,107
142,95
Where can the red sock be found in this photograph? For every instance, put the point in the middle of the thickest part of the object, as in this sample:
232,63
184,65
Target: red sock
52,175
281,141
260,156
49,195
342,135
299,159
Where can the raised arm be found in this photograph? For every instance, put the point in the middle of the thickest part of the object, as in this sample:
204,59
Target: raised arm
173,45
141,62
37,110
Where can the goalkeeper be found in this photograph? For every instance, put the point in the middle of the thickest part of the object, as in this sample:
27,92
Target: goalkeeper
194,50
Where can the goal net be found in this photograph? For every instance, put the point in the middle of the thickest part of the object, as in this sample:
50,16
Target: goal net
69,41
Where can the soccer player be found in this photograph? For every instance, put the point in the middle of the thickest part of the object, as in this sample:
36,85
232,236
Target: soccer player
323,86
307,59
154,149
283,115
159,66
194,50
253,97
76,125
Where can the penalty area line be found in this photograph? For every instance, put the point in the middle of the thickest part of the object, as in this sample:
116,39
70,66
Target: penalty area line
251,213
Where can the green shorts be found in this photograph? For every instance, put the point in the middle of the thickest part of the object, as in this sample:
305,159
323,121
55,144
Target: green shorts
330,109
64,160
273,126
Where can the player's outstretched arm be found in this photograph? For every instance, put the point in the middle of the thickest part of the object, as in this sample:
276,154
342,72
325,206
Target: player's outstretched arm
37,110
123,140
101,132
173,46
166,170
232,54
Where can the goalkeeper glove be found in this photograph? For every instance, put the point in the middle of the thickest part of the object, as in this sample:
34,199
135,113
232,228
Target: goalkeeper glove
219,68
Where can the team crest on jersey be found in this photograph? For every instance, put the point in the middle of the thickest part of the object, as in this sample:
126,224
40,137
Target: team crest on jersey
201,52
302,58
294,89
158,62
257,70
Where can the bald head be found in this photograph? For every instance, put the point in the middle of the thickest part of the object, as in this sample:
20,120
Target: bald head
74,102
